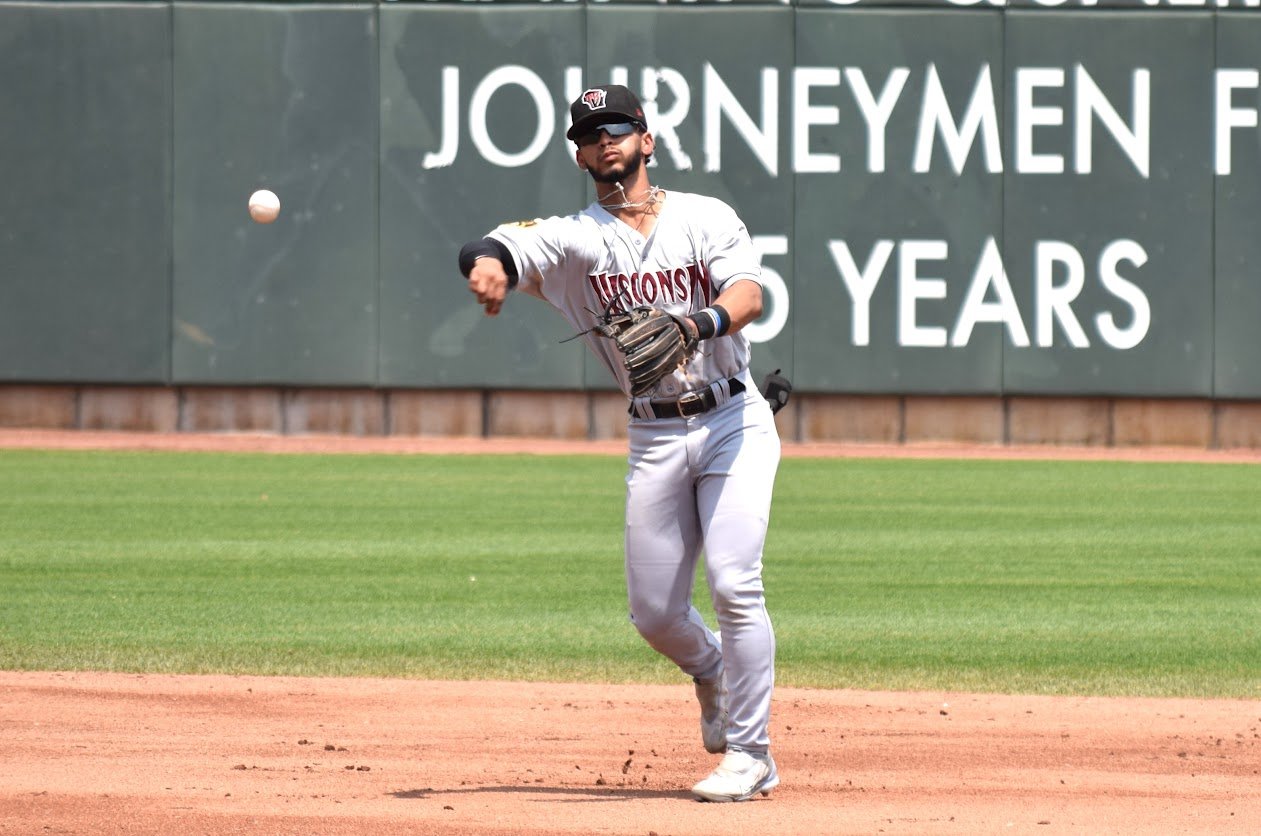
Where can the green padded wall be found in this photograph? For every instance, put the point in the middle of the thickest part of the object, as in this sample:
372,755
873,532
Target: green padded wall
85,213
280,97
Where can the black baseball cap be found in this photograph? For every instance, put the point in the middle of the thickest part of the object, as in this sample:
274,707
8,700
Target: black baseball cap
604,104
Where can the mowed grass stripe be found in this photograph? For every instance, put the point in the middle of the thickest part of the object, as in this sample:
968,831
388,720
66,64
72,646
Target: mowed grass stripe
1034,577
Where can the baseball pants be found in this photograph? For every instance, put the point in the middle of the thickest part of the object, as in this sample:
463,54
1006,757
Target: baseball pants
704,483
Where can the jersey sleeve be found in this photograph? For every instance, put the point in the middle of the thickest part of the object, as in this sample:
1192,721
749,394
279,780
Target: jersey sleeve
729,249
538,248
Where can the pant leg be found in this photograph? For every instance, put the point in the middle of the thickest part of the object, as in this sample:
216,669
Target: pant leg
662,546
734,502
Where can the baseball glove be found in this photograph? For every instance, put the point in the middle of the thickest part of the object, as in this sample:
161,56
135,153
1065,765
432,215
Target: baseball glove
653,344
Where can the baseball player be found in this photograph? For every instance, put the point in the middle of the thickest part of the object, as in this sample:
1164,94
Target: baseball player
672,268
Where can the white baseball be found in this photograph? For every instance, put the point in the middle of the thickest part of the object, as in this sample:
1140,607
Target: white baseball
264,206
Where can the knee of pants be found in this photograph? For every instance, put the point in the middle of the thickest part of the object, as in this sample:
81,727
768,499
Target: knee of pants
734,595
652,622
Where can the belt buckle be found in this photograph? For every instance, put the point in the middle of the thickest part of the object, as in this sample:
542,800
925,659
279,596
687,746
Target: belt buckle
692,403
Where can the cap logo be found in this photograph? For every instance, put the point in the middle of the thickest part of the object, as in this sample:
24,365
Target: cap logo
594,98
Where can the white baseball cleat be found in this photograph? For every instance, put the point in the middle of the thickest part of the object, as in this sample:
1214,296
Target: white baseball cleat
712,695
739,777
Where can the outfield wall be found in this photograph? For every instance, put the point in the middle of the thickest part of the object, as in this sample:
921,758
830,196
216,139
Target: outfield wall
994,221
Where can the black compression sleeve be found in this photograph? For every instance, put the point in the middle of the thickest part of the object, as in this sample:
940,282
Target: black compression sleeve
492,247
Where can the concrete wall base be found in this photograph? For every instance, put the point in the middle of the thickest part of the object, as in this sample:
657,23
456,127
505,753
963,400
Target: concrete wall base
882,419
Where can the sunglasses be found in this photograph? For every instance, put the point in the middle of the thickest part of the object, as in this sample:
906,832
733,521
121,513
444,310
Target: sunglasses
616,130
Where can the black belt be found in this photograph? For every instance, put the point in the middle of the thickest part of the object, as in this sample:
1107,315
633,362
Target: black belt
693,403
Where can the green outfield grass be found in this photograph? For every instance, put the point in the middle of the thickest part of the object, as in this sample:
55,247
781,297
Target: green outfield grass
1032,577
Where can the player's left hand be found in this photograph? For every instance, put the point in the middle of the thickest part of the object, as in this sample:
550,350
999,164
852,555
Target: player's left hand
653,343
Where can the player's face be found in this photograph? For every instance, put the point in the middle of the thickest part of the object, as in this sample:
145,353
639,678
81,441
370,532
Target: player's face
610,154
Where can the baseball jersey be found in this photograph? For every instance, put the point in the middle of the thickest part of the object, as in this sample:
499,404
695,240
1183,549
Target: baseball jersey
590,261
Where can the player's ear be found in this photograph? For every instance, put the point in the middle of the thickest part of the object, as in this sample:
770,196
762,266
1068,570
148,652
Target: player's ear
578,156
647,144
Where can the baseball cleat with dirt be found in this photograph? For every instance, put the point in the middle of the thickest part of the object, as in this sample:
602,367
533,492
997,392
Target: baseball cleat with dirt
739,777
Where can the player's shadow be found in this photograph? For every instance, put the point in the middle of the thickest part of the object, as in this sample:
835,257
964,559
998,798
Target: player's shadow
581,795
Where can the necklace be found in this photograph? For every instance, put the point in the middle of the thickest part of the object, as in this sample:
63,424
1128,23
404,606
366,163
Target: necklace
651,197
624,210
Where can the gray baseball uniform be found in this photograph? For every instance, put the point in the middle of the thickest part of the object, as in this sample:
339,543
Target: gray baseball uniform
703,481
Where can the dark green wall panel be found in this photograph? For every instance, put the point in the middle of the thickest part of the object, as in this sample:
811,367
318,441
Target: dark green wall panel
285,98
1237,372
1163,206
907,227
444,183
85,221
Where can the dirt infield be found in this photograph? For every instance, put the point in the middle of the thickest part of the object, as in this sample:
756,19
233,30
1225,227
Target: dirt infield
119,753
